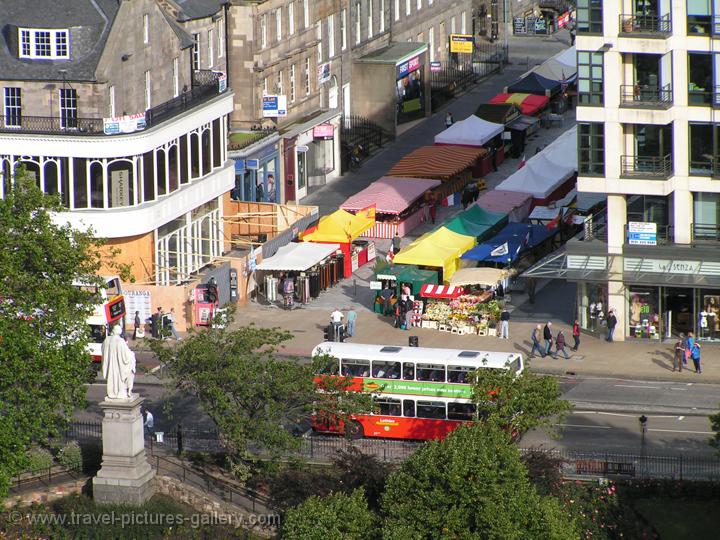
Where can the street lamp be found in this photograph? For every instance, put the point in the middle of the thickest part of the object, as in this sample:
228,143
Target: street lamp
643,430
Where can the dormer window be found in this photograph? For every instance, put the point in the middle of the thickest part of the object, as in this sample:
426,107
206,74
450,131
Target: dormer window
50,44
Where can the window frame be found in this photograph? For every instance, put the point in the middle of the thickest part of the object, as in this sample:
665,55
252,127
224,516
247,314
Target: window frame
291,19
195,53
146,28
68,104
591,66
591,167
278,24
292,83
28,43
12,104
594,24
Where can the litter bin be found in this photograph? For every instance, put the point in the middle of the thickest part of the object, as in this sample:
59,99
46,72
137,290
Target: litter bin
413,341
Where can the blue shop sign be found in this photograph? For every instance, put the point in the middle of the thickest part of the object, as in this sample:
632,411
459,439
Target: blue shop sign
239,165
253,164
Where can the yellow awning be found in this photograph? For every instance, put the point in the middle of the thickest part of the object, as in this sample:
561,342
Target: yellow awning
441,248
341,227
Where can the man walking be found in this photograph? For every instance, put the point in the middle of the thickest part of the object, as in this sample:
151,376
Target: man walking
386,295
336,318
576,335
351,318
560,345
396,243
505,324
611,324
695,355
535,338
679,358
138,323
449,120
171,323
547,336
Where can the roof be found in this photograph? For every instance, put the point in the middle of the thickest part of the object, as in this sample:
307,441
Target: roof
534,83
472,131
394,53
390,195
528,103
186,40
198,9
502,201
340,226
441,162
500,113
298,256
88,21
478,276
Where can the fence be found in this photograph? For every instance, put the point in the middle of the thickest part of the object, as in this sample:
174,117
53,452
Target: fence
359,131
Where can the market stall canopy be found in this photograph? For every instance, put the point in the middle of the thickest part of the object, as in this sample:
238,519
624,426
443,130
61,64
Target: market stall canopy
340,226
562,67
488,277
417,277
499,113
525,123
390,195
441,248
441,291
509,243
528,103
472,131
513,203
298,256
567,57
534,83
476,222
441,162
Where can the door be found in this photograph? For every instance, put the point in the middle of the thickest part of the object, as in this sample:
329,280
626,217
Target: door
680,303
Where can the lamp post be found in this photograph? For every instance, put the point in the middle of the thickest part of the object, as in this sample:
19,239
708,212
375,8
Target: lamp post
643,430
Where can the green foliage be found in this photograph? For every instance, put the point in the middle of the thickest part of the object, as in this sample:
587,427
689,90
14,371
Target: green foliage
715,425
472,485
294,485
38,459
70,456
519,402
339,516
358,470
492,309
43,335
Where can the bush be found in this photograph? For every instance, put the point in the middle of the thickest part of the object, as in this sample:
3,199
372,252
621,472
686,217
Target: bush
70,456
38,459
91,455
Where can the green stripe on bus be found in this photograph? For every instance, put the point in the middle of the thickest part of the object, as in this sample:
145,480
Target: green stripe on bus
418,388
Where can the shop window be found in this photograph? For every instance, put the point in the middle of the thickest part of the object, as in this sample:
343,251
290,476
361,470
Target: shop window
97,197
194,156
591,145
590,78
160,172
217,142
184,175
121,183
80,182
387,407
410,94
148,177
301,170
643,313
173,168
51,177
706,216
709,316
589,17
206,152
592,305
700,78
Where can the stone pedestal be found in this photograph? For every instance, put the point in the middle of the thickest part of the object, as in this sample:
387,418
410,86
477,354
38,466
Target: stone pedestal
125,476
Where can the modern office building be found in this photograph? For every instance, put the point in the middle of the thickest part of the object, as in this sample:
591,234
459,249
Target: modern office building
105,105
649,138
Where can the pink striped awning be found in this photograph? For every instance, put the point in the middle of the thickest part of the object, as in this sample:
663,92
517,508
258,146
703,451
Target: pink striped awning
390,195
441,291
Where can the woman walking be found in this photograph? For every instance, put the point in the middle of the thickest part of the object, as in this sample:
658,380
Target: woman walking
560,345
576,335
695,355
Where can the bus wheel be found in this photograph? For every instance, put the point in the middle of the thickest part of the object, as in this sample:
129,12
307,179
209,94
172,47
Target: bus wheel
354,430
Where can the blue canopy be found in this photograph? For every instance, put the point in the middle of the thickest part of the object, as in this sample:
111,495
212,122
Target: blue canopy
534,83
509,243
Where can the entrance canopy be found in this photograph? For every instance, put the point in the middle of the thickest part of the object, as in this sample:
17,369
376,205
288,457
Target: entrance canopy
476,221
472,131
487,277
340,226
528,103
506,247
298,257
390,195
440,162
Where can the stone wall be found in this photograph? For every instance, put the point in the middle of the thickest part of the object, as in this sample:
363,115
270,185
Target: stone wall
45,494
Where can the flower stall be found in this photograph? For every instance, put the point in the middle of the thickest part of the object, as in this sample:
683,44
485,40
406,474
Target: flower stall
451,309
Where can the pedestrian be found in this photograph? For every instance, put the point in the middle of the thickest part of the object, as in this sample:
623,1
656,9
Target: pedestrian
396,243
531,286
149,422
351,318
576,335
409,313
449,120
611,324
386,295
493,156
465,198
695,355
138,323
336,318
433,212
171,324
689,342
399,314
547,336
406,290
155,323
679,357
475,191
504,324
535,338
560,345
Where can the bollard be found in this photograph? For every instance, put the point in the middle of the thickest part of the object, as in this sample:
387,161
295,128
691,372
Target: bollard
179,439
355,285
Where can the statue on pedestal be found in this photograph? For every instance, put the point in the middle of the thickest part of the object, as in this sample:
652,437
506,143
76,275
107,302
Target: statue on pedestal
118,366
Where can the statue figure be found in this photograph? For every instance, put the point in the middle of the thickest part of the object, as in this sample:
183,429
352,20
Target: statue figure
118,365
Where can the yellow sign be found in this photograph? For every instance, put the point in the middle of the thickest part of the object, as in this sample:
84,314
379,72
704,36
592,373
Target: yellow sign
461,43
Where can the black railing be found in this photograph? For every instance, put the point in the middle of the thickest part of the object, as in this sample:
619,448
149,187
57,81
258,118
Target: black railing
645,24
705,233
709,166
185,101
646,166
202,77
646,95
358,136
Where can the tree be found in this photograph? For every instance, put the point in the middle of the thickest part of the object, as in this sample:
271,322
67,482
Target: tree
472,485
43,330
715,424
339,516
518,402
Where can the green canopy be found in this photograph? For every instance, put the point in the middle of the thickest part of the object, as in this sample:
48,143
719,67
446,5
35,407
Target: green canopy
417,278
477,222
389,270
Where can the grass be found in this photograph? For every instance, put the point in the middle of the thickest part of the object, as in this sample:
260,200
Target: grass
680,519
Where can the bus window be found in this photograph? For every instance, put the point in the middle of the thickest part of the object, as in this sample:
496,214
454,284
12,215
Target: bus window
355,368
385,370
98,333
388,407
431,409
461,411
409,408
458,374
431,372
409,372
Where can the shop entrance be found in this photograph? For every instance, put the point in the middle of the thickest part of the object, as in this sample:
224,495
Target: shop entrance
678,310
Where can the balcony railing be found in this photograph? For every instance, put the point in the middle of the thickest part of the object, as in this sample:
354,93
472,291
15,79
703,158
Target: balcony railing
709,166
646,25
637,95
94,126
703,96
703,234
646,166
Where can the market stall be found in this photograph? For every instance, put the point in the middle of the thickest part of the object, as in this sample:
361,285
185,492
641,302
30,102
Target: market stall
440,249
395,276
453,165
561,209
452,309
482,277
514,204
476,132
300,271
344,228
477,222
510,243
529,104
534,83
498,113
399,204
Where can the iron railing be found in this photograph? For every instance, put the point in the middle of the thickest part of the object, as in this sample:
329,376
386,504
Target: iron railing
202,77
702,234
646,95
708,167
653,25
251,137
646,166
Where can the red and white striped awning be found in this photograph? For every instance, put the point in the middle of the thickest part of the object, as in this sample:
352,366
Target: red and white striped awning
441,291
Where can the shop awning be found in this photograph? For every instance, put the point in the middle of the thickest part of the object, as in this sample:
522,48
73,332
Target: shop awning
441,162
528,103
298,256
472,131
488,277
506,247
390,195
340,226
534,83
476,222
500,113
441,291
513,203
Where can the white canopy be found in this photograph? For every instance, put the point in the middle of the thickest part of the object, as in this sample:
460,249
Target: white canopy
478,276
545,172
472,131
561,67
567,57
298,256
